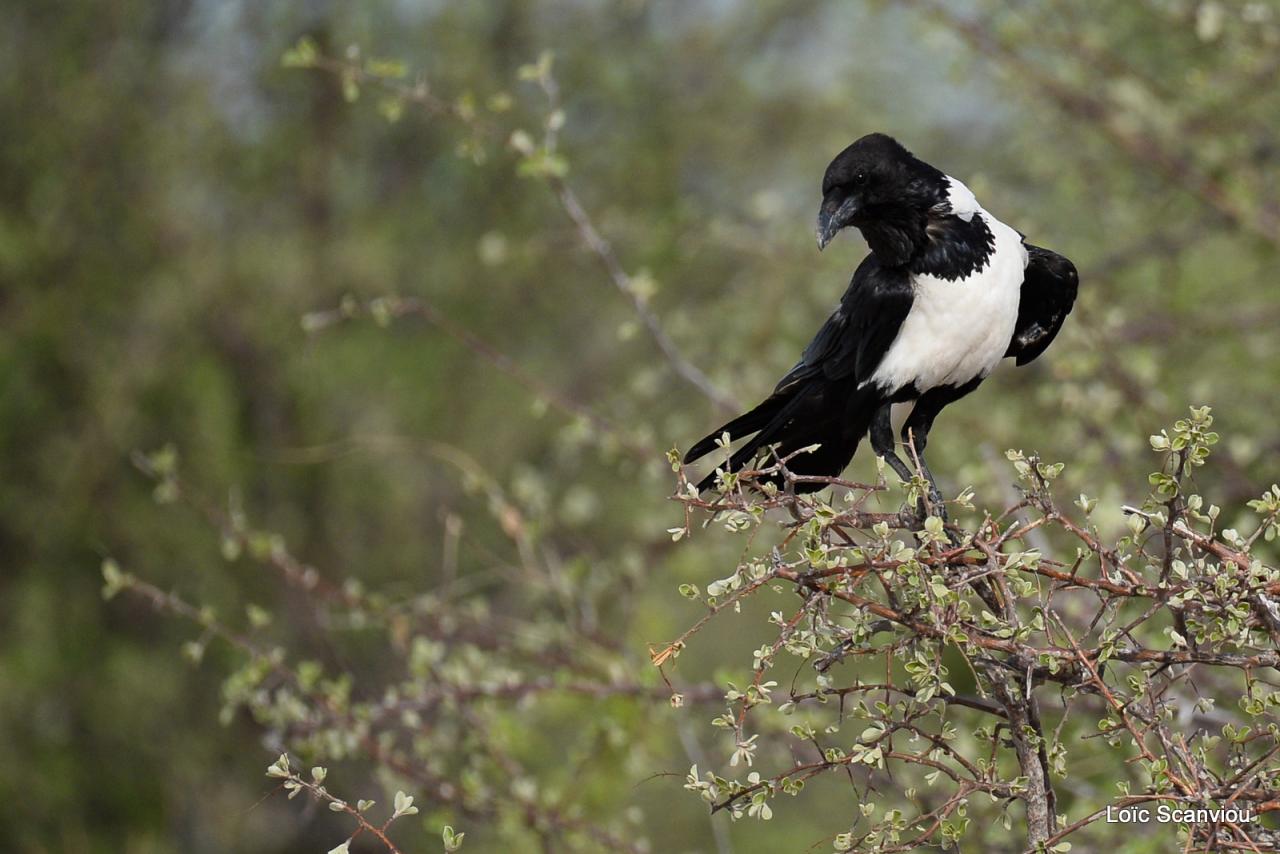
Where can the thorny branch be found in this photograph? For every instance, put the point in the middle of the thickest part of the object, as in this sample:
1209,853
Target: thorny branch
1138,633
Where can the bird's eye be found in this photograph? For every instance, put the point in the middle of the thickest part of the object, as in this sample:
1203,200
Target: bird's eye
859,178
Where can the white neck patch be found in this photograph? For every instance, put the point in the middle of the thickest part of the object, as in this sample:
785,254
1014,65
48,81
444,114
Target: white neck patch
961,200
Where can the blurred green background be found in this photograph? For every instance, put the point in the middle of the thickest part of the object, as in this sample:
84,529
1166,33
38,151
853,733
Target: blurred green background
173,202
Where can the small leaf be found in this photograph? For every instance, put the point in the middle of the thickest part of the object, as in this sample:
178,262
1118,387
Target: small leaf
259,617
452,841
404,805
113,579
280,768
302,55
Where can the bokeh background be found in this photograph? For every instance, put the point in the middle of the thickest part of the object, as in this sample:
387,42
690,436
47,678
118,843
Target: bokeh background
174,202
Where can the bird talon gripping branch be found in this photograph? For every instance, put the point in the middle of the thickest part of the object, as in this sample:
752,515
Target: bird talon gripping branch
946,293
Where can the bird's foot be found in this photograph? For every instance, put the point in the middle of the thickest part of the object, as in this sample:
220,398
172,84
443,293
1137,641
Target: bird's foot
934,506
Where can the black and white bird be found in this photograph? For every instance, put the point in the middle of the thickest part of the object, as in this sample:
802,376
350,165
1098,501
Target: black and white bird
946,293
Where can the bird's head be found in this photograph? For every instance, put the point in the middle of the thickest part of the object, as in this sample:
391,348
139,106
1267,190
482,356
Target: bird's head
875,181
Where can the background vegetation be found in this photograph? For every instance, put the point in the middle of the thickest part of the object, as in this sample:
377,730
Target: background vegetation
197,244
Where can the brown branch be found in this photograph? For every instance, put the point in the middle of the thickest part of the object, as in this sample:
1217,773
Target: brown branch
622,280
1028,744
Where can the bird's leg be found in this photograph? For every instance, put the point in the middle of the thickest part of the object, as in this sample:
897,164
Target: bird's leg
915,442
882,443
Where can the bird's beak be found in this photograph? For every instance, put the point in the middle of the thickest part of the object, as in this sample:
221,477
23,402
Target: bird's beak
831,219
826,230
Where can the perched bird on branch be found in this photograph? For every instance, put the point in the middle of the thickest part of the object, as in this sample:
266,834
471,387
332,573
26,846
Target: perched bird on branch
946,293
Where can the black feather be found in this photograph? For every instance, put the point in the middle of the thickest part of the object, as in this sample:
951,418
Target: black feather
1048,292
822,399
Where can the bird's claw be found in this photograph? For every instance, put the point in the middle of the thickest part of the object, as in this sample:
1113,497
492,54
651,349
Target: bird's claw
935,503
939,508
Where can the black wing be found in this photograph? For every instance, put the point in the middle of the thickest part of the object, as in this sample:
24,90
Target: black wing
812,403
856,336
1048,292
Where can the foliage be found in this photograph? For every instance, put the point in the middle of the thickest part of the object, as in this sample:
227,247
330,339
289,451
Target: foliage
1140,639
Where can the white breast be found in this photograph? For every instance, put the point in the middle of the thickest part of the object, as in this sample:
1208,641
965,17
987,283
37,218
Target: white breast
958,330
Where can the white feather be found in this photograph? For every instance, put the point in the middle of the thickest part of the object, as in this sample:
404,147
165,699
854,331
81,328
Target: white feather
962,201
958,330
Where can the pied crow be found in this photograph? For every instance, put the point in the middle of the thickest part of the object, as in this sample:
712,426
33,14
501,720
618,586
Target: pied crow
946,293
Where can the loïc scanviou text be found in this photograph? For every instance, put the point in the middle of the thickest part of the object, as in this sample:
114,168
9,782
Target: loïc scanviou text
1165,814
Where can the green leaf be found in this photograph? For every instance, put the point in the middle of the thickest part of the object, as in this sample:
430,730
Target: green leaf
113,579
403,805
452,841
392,69
303,54
280,768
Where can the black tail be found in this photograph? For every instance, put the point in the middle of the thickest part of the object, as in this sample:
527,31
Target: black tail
834,415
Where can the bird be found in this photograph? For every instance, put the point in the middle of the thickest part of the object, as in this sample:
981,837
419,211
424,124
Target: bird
946,293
